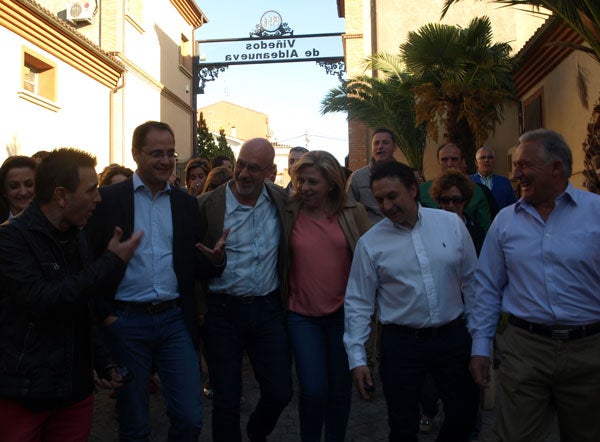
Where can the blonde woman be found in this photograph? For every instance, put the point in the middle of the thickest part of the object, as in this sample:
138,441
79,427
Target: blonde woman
322,226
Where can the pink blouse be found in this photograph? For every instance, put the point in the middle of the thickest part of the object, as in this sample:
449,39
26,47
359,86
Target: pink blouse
321,263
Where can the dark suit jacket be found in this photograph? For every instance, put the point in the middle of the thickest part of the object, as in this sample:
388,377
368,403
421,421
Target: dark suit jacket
212,217
501,189
116,209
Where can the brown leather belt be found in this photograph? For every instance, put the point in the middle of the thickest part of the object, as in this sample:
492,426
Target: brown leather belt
563,333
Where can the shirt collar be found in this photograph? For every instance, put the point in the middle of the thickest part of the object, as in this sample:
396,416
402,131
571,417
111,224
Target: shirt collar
138,183
569,195
406,229
232,204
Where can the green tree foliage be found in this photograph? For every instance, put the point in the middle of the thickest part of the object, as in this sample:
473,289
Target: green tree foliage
223,148
206,147
461,81
385,101
583,16
444,78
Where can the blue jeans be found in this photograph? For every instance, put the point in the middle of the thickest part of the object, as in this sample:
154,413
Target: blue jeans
323,374
140,341
231,327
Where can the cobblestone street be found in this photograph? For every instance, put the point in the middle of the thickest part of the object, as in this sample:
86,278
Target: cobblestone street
368,420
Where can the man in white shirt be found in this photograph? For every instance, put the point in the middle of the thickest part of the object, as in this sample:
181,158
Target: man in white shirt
420,261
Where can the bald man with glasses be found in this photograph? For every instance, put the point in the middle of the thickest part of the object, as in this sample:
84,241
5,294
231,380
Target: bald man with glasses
244,310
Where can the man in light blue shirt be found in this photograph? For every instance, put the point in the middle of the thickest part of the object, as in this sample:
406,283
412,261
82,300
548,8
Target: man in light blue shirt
540,263
420,261
151,318
244,310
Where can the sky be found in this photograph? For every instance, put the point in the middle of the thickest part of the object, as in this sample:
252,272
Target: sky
288,93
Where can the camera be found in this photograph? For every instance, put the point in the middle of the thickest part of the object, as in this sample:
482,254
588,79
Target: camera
126,375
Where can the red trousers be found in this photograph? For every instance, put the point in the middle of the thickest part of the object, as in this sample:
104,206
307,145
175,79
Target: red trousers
73,423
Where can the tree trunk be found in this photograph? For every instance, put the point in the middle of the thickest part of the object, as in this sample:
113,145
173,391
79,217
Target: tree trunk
591,147
461,134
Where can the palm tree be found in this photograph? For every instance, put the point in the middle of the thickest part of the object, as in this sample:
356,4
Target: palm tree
382,102
583,16
462,80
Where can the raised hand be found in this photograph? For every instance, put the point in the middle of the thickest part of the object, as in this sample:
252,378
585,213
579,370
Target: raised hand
216,255
124,249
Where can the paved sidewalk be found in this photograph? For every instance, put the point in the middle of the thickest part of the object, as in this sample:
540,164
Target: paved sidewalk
368,420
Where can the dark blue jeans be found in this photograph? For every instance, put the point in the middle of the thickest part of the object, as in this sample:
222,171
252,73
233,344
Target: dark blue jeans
405,359
258,327
139,341
323,374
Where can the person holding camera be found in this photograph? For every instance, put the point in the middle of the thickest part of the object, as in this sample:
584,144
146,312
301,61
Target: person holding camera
49,281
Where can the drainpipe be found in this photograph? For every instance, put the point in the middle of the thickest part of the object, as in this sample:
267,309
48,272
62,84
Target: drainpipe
113,91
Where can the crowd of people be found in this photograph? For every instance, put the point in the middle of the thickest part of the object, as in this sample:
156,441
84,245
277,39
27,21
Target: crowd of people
109,278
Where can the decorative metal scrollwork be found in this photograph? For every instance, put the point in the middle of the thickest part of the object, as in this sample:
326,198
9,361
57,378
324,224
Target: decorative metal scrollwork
334,67
209,73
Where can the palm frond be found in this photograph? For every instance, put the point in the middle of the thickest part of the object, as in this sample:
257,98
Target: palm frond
583,16
582,86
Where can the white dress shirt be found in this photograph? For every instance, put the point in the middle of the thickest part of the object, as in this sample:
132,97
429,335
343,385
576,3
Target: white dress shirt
421,275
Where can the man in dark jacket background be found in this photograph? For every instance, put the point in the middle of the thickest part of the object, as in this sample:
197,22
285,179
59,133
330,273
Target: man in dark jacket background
47,284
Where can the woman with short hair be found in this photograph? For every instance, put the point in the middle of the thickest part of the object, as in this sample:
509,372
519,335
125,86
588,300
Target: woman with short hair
453,192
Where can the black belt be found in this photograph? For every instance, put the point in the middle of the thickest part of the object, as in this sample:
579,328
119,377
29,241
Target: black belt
560,332
148,307
428,332
243,299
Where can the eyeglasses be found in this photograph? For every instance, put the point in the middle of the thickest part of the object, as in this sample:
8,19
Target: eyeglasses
451,199
158,154
252,168
486,157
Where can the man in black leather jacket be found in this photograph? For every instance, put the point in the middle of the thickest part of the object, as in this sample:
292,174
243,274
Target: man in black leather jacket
47,284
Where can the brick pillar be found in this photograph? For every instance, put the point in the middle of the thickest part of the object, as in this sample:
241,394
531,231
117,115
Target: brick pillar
358,145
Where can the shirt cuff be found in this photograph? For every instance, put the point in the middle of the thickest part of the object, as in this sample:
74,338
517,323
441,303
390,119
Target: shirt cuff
356,359
481,347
